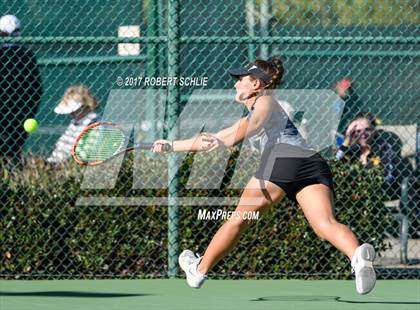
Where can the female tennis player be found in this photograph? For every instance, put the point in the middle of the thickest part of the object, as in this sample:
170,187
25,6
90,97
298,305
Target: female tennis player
287,168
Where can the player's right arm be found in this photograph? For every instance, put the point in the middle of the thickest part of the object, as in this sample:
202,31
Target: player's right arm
243,128
197,143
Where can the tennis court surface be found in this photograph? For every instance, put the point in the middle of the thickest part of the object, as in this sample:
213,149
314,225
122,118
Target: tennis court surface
216,294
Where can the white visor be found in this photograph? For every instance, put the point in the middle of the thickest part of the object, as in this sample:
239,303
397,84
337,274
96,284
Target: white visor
67,107
9,24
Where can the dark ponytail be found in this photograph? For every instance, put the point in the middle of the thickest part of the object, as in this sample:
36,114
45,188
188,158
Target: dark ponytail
273,67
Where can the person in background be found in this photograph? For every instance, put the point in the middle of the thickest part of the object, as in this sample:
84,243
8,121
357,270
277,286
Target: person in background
20,89
79,103
352,103
373,147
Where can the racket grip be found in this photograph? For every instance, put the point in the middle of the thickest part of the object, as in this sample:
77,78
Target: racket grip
147,146
144,146
166,147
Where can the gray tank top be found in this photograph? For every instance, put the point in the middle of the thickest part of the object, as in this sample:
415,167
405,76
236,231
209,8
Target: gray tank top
278,129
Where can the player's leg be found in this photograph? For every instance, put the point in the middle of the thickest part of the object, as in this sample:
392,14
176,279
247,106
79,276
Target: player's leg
316,202
257,196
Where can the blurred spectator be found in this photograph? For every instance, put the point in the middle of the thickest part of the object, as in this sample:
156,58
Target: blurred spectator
20,89
79,103
352,103
372,147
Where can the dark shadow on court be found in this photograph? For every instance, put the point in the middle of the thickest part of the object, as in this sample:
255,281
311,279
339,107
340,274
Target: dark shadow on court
332,298
296,298
71,294
378,302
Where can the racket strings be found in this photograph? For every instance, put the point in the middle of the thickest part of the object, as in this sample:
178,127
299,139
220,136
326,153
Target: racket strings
100,143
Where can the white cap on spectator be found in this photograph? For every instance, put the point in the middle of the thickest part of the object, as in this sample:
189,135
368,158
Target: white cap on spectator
67,107
9,24
75,98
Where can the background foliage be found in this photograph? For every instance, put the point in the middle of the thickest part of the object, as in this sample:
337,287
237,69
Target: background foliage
43,233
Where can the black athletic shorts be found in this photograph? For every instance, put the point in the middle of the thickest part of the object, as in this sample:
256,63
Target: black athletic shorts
293,168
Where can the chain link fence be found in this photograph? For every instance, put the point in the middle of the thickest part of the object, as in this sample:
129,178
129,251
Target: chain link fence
59,220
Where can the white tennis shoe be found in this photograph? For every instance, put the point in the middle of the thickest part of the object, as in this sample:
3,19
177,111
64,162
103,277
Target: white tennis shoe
189,263
362,264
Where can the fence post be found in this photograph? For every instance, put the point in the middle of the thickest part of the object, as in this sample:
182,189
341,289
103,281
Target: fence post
250,19
264,24
173,106
151,69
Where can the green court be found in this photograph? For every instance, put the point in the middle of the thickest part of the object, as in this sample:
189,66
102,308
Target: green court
216,294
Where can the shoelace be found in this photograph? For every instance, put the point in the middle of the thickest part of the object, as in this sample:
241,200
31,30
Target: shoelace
193,258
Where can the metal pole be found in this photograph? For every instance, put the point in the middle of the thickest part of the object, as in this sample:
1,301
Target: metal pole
173,107
161,33
404,221
250,19
151,69
264,18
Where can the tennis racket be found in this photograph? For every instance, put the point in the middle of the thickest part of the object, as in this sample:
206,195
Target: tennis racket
103,141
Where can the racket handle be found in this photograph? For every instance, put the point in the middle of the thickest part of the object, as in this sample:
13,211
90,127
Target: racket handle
167,148
147,146
144,146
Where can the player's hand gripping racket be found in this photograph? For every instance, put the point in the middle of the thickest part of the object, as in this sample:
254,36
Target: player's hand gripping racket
102,141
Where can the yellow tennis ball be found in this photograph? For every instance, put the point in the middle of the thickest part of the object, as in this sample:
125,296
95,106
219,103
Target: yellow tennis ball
30,125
